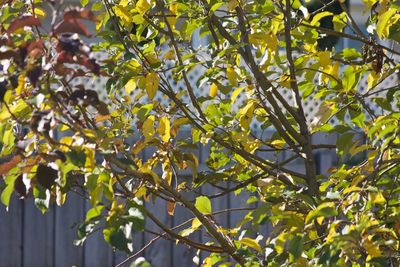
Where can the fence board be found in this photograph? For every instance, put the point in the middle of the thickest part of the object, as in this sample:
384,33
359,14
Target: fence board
30,239
67,218
182,254
160,252
38,240
11,233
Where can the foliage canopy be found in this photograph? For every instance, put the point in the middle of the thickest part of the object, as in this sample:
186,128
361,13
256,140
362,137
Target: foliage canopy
58,135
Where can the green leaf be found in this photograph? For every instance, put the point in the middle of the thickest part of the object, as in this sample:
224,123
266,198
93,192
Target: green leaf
7,192
117,238
94,212
324,210
296,247
84,2
203,204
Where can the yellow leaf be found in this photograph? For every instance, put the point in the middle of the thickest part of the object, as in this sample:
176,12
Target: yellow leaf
372,248
251,243
213,90
279,144
324,58
90,133
319,16
235,94
21,84
90,161
130,86
138,147
232,75
100,118
148,128
246,115
386,20
369,3
377,198
173,7
172,21
232,4
280,242
207,262
124,3
196,224
285,80
167,173
123,14
40,12
152,81
164,129
142,6
170,55
271,41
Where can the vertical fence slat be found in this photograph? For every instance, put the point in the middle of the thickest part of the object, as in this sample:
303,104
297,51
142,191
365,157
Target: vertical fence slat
68,217
159,253
97,252
11,234
182,254
38,235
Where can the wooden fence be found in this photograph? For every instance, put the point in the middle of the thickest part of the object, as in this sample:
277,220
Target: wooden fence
30,239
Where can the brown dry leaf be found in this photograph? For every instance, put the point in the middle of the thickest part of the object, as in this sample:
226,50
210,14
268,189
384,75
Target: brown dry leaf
22,22
171,208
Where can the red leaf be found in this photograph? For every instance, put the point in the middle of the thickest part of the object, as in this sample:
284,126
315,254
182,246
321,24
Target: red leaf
35,48
9,162
22,22
79,14
71,25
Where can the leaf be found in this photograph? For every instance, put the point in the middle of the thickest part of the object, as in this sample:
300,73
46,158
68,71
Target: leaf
84,2
171,208
79,14
246,115
232,75
8,190
296,247
22,22
324,210
71,25
130,86
46,175
8,163
384,23
117,239
339,21
213,90
164,129
152,81
203,204
319,16
94,212
142,6
232,4
123,14
251,243
148,128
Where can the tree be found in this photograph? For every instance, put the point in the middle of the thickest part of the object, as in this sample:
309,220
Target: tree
59,136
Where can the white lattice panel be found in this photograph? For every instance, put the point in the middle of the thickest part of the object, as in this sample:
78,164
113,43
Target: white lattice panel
310,105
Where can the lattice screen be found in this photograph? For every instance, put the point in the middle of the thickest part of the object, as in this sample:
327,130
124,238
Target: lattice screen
311,105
